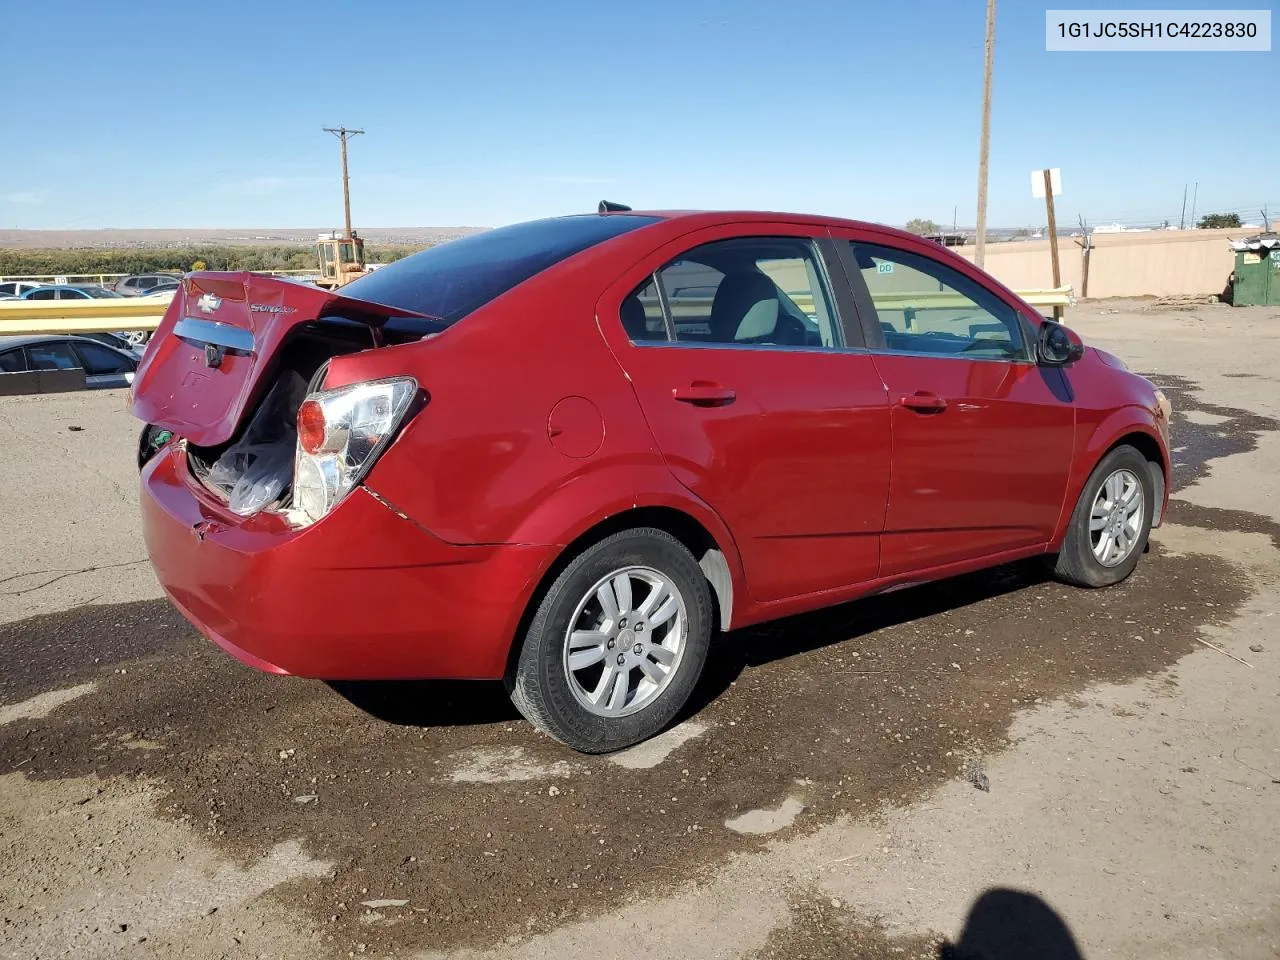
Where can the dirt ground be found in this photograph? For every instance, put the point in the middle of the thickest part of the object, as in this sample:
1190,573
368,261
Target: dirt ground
995,766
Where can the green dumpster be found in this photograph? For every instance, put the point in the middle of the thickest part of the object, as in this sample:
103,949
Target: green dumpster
1257,275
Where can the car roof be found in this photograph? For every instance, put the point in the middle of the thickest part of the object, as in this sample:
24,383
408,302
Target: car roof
699,218
22,340
26,339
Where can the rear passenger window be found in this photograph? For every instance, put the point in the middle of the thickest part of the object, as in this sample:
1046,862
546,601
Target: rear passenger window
52,356
11,362
100,360
750,292
642,314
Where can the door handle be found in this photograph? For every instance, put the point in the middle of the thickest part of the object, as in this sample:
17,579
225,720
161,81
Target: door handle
701,393
924,402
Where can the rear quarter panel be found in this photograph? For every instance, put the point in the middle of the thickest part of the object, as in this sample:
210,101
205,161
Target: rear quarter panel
479,463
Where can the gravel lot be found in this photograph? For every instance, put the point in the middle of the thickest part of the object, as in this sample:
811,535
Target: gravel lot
159,800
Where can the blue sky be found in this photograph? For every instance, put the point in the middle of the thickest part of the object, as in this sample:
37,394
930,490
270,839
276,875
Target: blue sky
483,112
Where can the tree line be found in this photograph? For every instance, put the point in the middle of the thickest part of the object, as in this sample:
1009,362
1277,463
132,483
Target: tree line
37,262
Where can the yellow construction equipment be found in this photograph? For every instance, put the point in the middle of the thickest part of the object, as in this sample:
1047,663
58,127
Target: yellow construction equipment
341,259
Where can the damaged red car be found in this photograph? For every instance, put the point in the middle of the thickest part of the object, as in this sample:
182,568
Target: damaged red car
567,453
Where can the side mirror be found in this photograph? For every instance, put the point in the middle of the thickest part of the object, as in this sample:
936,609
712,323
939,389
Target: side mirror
1058,345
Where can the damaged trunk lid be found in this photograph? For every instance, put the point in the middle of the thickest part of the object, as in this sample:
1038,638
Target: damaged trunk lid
212,355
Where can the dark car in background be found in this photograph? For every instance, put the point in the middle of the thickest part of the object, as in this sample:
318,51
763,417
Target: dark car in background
103,366
68,291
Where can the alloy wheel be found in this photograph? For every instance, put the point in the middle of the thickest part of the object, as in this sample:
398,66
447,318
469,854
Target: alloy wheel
625,641
1115,521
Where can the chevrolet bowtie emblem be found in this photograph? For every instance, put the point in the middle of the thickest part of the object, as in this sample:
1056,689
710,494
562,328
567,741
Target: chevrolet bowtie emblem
209,302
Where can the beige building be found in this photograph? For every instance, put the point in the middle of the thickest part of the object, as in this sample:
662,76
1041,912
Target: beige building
1128,264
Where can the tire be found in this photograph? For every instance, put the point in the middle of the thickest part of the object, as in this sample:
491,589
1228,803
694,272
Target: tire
1079,562
150,441
555,693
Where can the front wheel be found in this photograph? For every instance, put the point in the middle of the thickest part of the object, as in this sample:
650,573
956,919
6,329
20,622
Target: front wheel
617,644
1111,522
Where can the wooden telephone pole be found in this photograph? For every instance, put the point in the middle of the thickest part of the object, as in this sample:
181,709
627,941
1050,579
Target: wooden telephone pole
980,251
1053,229
342,133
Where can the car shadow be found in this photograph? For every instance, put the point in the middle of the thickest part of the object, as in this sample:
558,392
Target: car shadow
431,703
779,639
1008,924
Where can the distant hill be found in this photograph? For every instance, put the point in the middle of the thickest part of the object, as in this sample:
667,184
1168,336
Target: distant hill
111,239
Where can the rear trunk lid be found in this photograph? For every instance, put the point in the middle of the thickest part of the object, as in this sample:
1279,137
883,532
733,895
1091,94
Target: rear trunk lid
212,354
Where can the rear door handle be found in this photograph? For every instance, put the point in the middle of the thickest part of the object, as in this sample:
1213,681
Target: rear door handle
923,402
700,393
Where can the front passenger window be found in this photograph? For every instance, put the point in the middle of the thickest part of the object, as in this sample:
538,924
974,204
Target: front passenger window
924,306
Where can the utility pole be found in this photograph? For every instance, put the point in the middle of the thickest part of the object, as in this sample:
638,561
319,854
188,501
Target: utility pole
980,253
1182,221
342,133
1194,195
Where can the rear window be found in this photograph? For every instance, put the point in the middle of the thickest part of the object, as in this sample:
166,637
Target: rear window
455,278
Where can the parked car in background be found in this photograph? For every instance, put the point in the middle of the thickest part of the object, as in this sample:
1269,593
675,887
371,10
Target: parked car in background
564,453
103,365
67,291
16,288
142,283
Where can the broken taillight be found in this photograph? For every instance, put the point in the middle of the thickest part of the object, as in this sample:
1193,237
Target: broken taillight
341,433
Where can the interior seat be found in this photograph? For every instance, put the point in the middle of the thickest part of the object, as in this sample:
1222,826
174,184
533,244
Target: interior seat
636,322
745,309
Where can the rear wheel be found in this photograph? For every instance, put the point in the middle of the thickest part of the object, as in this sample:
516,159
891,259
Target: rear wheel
1111,522
617,644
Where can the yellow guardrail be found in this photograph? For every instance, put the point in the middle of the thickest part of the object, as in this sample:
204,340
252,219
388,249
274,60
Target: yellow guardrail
82,316
144,313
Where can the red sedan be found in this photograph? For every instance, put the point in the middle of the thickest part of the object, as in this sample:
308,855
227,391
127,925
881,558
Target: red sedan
566,452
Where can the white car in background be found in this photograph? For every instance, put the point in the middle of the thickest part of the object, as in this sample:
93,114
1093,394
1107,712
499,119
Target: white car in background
16,288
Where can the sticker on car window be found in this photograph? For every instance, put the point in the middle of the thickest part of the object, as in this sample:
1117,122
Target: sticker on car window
884,266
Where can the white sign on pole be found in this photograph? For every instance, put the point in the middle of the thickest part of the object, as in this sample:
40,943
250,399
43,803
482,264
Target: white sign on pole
1037,182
